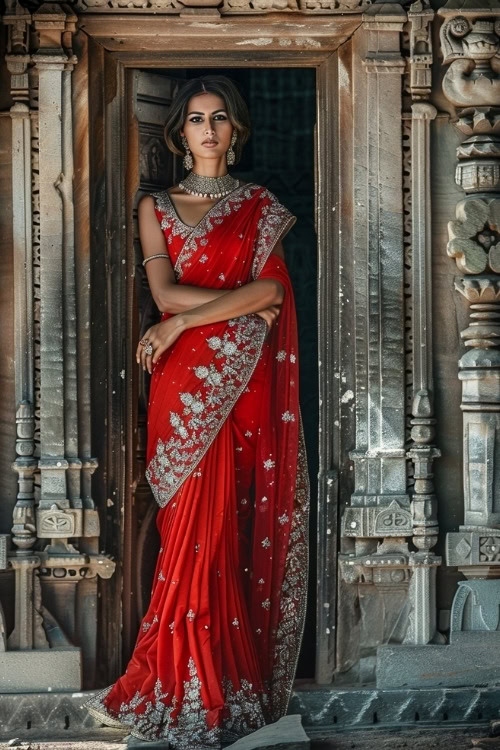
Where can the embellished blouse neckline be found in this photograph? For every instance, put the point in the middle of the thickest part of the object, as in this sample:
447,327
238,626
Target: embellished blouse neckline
192,227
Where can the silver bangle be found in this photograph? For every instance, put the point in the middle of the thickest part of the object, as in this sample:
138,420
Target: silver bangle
151,257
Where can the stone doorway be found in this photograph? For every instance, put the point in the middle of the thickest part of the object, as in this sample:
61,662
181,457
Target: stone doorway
116,149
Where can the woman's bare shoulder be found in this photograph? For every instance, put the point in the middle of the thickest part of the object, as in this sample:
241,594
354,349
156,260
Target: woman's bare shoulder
145,201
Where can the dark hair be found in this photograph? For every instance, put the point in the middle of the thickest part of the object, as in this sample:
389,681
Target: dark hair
236,108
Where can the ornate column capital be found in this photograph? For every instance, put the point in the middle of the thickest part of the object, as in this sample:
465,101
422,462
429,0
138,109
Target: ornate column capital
420,16
423,111
55,27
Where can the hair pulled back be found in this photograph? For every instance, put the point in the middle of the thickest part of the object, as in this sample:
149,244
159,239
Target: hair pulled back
235,105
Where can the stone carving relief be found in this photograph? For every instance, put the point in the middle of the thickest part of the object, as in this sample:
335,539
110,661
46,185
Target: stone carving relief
153,160
383,516
475,610
225,7
489,549
474,239
470,41
110,5
420,16
471,44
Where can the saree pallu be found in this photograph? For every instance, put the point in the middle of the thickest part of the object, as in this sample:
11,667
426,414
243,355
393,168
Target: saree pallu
217,649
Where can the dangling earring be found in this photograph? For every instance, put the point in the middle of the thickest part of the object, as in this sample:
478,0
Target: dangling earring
188,158
231,156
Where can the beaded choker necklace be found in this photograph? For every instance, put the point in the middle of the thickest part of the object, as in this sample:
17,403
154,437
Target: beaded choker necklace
208,187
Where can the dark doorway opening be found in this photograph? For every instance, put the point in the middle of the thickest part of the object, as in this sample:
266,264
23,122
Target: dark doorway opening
280,156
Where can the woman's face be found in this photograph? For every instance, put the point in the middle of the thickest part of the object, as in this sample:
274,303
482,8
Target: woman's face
207,126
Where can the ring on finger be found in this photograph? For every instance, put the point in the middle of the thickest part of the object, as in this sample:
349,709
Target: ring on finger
148,350
143,342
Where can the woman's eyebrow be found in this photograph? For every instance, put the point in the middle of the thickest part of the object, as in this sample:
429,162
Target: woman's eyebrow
202,113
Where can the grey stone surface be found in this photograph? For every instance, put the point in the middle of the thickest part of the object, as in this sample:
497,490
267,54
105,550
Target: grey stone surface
431,666
50,669
364,707
458,738
478,547
137,744
477,638
287,734
57,715
476,609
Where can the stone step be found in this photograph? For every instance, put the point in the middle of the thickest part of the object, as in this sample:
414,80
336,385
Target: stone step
285,734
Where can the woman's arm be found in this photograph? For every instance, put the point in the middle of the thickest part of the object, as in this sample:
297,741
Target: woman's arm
266,294
168,296
255,296
193,306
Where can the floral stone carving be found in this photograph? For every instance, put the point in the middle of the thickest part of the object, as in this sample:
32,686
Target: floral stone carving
474,238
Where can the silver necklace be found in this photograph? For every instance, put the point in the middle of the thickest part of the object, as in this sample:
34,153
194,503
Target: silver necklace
208,187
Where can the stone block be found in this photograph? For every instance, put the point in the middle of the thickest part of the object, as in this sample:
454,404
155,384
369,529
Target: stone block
476,638
137,744
475,608
91,526
54,670
478,548
285,734
54,523
377,521
432,665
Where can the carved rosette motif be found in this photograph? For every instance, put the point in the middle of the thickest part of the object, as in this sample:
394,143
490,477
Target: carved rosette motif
470,41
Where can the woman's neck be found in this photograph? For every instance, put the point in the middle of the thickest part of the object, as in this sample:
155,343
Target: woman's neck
210,168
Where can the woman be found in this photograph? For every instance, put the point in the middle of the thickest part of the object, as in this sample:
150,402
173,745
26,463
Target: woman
217,650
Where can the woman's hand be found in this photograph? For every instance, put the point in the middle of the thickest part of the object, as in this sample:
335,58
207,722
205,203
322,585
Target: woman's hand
269,315
159,337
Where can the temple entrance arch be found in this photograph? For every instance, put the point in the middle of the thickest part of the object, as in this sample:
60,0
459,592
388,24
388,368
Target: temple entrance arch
113,65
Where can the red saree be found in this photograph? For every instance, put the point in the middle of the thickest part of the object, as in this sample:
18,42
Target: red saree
217,650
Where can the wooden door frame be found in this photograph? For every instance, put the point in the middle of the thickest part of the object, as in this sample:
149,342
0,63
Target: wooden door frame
107,48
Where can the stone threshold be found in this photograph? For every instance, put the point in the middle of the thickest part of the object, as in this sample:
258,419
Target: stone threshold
322,708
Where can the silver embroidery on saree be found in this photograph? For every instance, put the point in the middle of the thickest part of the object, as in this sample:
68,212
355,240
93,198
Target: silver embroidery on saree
192,235
155,716
195,424
222,381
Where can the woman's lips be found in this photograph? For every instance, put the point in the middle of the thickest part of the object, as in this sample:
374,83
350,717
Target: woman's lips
210,144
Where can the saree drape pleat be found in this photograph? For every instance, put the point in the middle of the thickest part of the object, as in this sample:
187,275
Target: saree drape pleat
217,649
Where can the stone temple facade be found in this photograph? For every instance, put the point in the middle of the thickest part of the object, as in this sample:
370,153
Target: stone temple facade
407,195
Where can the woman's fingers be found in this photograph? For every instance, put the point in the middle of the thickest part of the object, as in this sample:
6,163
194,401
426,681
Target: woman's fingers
145,344
158,352
270,314
157,340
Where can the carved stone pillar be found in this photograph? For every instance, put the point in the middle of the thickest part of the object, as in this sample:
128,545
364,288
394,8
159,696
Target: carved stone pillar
422,594
18,21
470,39
375,525
66,509
46,604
